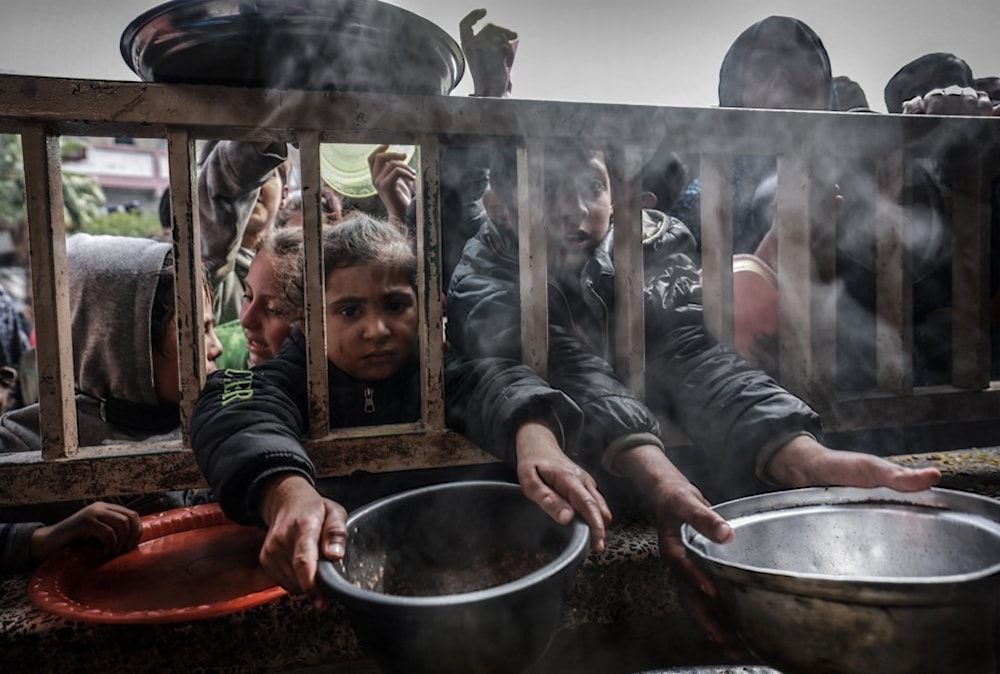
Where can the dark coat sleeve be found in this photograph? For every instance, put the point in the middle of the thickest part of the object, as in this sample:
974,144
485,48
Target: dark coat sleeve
488,399
248,425
728,408
483,308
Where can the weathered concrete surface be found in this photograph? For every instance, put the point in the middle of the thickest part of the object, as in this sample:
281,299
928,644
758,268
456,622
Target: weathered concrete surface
622,616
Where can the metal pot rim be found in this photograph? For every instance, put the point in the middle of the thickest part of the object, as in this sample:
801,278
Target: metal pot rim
576,548
985,510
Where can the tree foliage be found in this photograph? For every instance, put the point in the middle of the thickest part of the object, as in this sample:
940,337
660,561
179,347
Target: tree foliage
83,197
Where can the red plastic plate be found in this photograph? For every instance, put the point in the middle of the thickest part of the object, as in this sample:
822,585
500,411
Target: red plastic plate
190,564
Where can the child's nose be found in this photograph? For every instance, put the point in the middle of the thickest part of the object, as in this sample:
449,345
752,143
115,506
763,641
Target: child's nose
376,326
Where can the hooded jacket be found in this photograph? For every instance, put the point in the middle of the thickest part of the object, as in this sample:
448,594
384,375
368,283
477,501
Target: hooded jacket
733,413
249,425
112,283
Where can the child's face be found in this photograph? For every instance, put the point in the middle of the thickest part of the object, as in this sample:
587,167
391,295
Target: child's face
265,315
577,207
166,377
371,320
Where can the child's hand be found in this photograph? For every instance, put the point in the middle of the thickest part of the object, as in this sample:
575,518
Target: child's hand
560,487
490,54
394,180
115,527
301,525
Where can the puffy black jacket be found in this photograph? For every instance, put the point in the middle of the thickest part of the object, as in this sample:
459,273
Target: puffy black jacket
730,410
249,425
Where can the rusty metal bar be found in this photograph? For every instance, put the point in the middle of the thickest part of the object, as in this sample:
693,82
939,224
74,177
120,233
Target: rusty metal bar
894,281
717,244
970,270
315,284
795,273
50,289
429,284
823,292
189,274
630,340
533,256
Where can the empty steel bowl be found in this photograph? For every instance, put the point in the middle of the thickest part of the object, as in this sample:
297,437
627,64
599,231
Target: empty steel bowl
330,45
455,578
866,581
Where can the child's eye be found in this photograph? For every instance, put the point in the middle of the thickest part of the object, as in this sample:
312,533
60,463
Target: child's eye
396,307
247,298
596,186
273,310
350,312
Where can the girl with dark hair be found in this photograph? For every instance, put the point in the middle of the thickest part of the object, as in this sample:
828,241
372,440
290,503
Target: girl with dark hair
248,427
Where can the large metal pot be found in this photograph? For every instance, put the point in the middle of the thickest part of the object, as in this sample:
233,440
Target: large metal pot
835,580
334,45
456,578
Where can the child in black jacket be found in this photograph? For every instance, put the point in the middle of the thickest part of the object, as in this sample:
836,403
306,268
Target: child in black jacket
248,426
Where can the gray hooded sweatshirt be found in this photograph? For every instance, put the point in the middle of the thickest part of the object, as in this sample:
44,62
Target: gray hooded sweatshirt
112,283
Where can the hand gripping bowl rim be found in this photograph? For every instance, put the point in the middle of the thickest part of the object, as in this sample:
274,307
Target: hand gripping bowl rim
573,553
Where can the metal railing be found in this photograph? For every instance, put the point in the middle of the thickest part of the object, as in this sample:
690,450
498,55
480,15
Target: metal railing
43,109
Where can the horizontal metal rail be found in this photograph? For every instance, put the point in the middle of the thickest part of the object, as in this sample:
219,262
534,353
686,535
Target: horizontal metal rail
42,110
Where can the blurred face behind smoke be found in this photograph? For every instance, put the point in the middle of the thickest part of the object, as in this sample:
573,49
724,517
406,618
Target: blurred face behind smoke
578,205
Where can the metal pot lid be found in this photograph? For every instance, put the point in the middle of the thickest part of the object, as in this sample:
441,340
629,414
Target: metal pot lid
331,45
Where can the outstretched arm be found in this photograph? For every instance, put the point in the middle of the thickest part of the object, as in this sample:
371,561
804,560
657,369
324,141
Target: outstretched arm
490,54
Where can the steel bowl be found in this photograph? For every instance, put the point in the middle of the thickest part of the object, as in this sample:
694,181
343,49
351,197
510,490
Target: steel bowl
332,45
867,581
455,578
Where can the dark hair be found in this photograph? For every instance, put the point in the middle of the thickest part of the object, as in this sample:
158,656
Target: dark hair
165,210
284,248
164,305
503,164
164,309
360,239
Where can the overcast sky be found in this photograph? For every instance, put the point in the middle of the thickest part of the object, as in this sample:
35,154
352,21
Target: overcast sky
626,51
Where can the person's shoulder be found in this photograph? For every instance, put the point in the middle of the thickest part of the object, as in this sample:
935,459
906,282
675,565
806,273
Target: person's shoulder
660,231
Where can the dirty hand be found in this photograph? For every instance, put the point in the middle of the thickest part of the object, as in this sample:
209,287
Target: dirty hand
302,524
394,180
804,462
675,501
560,487
115,527
953,100
489,53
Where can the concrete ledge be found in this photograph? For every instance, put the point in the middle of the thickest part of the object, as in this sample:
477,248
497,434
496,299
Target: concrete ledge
622,616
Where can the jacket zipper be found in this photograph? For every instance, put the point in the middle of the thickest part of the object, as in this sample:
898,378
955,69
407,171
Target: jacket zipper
369,400
604,319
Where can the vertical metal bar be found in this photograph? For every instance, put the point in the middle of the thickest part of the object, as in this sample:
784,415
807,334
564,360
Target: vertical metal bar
315,285
429,282
894,280
795,273
50,288
970,270
824,288
189,273
630,342
533,255
716,173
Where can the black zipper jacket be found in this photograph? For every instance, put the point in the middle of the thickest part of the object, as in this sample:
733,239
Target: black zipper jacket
248,425
735,415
